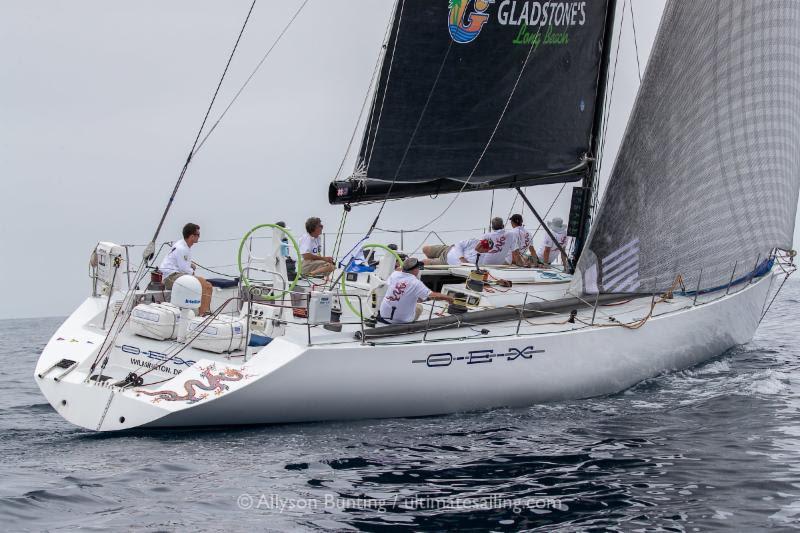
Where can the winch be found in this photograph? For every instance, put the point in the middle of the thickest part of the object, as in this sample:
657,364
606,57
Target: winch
477,279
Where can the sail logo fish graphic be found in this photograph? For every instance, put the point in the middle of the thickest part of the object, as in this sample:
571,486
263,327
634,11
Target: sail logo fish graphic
465,26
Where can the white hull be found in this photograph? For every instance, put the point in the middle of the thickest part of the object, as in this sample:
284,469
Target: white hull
289,381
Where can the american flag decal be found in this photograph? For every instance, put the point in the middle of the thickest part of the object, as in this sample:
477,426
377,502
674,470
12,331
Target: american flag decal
620,269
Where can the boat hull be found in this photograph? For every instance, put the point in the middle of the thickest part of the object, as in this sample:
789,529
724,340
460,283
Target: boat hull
418,380
287,382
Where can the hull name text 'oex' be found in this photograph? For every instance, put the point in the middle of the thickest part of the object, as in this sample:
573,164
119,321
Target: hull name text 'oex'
477,356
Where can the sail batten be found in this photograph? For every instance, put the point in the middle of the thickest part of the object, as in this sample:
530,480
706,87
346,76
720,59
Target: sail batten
477,94
706,181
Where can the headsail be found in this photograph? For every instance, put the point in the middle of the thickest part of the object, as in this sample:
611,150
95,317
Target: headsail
486,93
707,175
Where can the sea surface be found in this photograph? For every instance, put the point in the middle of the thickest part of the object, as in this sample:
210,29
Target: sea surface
715,447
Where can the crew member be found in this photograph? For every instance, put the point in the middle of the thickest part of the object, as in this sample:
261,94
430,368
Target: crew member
503,243
404,292
548,250
178,262
465,251
524,243
314,264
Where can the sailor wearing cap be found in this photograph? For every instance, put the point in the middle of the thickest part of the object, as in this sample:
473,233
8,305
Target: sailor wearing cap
548,250
404,291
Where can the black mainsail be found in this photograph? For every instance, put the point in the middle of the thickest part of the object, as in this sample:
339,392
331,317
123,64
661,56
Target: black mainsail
481,94
706,181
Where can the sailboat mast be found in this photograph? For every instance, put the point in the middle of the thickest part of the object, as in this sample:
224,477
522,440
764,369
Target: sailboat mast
590,182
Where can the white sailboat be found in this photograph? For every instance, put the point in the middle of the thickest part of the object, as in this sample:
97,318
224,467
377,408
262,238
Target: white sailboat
686,253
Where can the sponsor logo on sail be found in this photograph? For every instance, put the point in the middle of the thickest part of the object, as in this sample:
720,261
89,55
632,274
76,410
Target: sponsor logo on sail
465,24
539,22
541,14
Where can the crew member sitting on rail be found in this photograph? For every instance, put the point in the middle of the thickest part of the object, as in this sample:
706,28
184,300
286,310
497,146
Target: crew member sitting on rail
548,250
404,291
524,244
314,264
178,262
503,243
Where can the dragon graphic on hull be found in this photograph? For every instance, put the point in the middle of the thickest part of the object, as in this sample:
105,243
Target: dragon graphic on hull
215,382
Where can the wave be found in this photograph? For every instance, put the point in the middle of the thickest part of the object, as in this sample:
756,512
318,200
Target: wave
32,408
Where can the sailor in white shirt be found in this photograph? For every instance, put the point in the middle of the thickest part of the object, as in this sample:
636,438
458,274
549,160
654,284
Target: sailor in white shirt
503,244
314,264
179,259
462,252
524,243
178,262
465,251
404,291
547,252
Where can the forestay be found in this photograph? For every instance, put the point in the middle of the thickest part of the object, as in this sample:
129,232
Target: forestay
480,94
707,175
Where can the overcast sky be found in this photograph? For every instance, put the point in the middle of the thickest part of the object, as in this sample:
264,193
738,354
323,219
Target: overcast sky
100,101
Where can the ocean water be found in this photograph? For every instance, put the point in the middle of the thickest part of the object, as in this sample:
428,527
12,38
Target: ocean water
713,447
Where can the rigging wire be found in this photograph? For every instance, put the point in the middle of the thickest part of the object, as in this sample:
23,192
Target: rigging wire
563,185
547,213
607,108
148,254
340,233
416,129
250,77
635,42
485,148
199,328
375,71
411,139
513,203
368,126
207,269
388,78
202,125
377,125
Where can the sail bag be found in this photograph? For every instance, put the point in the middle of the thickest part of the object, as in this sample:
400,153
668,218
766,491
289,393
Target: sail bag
706,181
